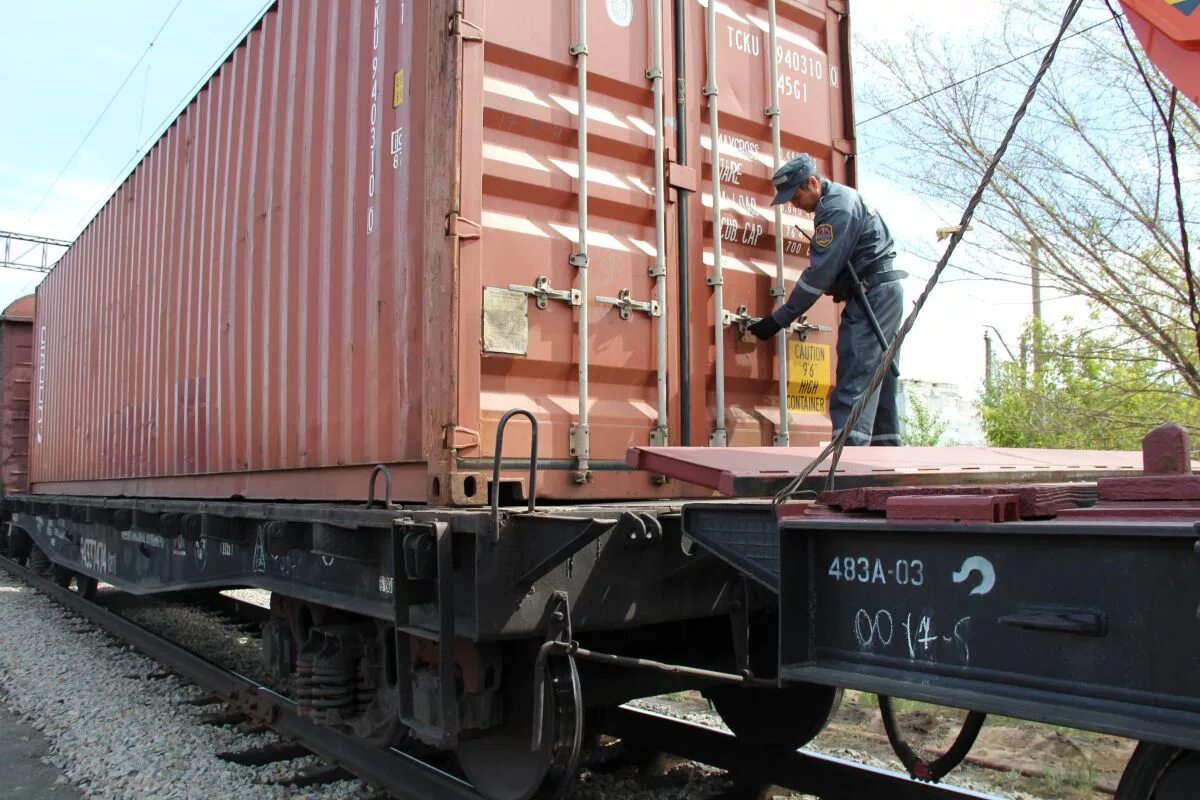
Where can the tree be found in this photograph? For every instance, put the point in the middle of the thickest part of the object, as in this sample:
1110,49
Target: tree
1088,177
922,427
1091,391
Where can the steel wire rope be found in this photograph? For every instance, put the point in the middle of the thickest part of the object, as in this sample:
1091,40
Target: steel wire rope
839,442
1168,120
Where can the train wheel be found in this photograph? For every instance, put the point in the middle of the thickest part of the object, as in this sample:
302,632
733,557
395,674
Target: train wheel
19,545
39,562
1160,772
776,719
82,584
502,764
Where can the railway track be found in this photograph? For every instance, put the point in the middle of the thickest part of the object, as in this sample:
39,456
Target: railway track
391,771
401,775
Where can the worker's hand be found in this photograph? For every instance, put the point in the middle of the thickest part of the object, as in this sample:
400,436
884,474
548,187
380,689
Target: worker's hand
765,328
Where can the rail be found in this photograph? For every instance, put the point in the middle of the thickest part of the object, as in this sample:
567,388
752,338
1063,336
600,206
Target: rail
397,773
801,771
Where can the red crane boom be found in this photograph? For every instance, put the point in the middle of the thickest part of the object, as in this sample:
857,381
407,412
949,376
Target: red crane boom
1169,31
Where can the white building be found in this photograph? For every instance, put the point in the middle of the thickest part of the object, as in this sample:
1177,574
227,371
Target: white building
945,401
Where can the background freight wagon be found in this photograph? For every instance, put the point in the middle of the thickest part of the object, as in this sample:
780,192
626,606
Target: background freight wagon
16,368
364,241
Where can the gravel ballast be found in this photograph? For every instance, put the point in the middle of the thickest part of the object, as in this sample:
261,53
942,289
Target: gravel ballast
113,729
118,729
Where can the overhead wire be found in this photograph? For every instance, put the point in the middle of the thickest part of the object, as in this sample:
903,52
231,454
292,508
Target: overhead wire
979,74
103,111
835,447
188,96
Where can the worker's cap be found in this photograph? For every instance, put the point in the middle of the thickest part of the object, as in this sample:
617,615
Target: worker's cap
791,176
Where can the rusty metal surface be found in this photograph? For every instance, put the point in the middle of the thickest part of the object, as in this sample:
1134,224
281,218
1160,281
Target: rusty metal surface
814,100
245,302
954,508
16,370
749,471
292,280
1034,500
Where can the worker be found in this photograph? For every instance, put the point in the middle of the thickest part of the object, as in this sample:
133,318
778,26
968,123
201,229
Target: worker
847,235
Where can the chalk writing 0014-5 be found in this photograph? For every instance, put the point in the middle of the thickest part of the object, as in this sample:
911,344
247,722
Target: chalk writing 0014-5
871,570
920,637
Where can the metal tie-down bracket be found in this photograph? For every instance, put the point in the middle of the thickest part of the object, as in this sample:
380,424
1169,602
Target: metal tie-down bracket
542,292
628,306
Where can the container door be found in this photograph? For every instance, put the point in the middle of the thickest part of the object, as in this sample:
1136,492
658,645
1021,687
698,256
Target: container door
737,52
556,261
573,246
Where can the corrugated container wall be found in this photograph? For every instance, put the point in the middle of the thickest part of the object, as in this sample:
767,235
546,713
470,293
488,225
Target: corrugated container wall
16,370
361,243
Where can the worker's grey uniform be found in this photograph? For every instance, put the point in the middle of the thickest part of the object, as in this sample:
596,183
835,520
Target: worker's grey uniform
848,233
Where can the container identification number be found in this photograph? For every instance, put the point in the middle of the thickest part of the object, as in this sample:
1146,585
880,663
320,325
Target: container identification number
805,65
374,126
867,570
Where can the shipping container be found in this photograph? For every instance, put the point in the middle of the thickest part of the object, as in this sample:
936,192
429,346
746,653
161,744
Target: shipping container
16,369
366,239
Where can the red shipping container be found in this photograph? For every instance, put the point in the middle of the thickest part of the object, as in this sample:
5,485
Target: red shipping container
319,266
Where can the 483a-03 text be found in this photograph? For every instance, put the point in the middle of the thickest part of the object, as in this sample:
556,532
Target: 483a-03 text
860,569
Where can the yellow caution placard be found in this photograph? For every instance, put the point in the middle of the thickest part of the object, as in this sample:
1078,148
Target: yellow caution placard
398,88
808,377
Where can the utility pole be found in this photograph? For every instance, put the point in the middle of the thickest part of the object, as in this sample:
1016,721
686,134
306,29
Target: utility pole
987,360
1036,274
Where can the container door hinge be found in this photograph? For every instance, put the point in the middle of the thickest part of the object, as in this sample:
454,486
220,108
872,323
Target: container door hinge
628,305
457,437
464,29
681,177
741,318
581,448
543,293
461,227
659,437
581,439
846,147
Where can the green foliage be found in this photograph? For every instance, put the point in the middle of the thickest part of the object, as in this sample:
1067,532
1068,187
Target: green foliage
922,427
1097,389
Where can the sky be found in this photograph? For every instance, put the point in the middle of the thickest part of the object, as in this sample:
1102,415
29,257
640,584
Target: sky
61,61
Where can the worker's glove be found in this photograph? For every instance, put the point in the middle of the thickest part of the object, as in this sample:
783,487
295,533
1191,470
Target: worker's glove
765,328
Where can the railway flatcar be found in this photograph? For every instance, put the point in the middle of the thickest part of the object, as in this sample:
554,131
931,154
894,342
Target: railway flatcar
405,319
285,352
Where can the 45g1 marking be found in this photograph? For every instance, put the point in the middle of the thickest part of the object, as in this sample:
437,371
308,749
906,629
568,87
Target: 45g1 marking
860,569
